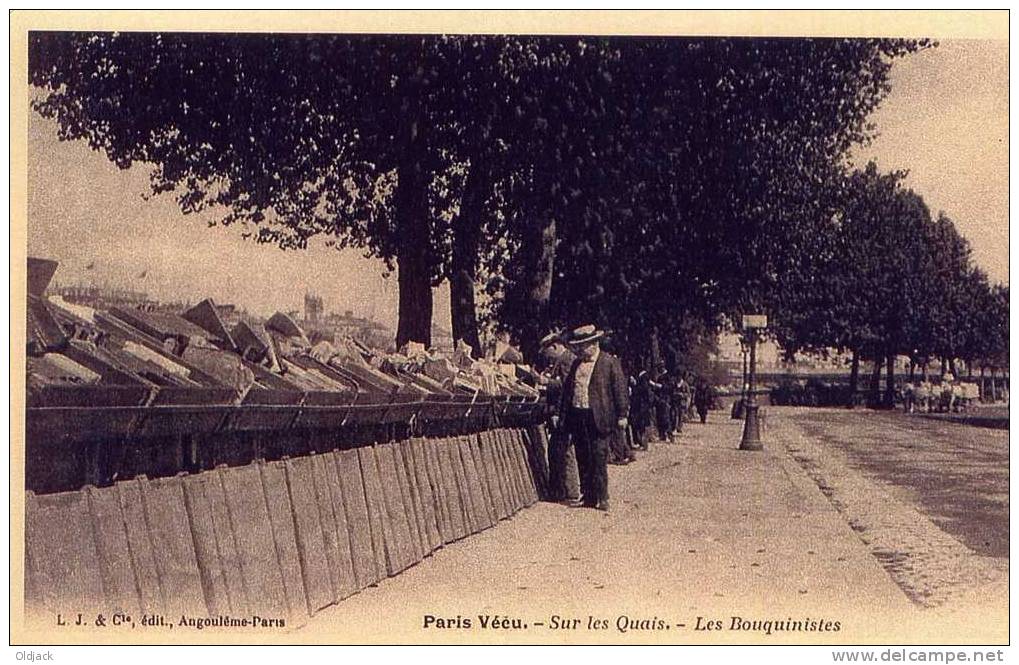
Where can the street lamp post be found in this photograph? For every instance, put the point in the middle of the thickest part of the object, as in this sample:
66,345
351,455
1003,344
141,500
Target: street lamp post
743,380
751,424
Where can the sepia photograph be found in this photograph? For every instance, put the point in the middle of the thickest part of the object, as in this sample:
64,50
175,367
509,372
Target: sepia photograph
517,327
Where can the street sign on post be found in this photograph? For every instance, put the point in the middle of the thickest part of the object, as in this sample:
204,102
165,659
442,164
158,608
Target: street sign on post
755,321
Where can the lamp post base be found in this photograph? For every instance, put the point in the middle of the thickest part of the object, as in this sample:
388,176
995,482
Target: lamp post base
751,430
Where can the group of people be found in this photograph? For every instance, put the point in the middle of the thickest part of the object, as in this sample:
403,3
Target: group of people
661,404
949,395
597,415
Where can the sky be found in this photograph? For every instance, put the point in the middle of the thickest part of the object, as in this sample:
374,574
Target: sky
945,120
84,211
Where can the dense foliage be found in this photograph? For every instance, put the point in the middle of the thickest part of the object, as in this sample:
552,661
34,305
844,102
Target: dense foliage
659,187
893,281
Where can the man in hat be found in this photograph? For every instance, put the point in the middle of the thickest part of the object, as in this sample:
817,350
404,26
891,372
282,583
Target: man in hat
595,404
562,462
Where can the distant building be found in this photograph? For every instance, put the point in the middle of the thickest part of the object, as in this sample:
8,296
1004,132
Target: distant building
331,326
314,308
771,359
232,315
731,351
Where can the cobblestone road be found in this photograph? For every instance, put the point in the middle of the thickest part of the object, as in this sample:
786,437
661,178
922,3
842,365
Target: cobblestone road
928,497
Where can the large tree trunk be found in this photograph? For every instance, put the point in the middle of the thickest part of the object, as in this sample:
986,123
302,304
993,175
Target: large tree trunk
466,247
413,255
890,381
655,364
415,324
539,266
413,220
874,394
854,378
412,232
463,312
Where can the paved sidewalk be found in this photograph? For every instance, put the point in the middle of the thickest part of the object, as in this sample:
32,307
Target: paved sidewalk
698,531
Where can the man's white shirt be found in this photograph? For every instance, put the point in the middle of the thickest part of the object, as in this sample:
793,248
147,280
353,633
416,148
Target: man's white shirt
582,382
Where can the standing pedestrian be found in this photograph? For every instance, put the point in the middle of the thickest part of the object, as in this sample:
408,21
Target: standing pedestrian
663,406
564,478
642,405
596,406
924,396
704,396
620,450
680,402
908,397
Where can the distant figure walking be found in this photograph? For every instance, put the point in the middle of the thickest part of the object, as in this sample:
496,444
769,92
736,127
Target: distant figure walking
642,406
681,399
663,406
704,398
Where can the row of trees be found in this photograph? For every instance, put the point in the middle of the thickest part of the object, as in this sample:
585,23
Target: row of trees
887,279
657,186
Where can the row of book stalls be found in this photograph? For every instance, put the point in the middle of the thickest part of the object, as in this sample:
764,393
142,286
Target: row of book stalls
179,466
115,393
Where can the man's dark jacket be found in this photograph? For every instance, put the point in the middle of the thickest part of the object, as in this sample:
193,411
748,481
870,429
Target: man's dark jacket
557,372
607,393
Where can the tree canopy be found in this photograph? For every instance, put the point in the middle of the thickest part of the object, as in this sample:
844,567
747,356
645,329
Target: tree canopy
891,280
657,186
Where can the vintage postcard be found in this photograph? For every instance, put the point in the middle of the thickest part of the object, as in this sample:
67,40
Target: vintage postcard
532,327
